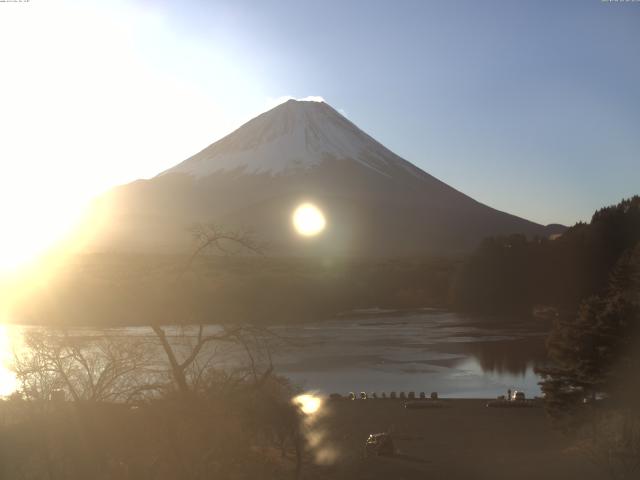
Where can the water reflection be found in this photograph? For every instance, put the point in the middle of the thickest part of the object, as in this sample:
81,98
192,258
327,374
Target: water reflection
458,356
513,357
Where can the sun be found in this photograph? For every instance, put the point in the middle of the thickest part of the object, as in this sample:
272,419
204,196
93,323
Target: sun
308,220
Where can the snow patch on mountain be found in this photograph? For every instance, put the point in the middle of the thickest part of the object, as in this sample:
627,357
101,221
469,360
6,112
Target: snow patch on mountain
295,135
309,98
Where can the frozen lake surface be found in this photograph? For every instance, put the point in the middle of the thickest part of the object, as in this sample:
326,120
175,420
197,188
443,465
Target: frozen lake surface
455,355
425,351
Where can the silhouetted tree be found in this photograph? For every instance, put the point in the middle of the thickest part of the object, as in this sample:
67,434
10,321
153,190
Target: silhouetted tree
593,371
190,362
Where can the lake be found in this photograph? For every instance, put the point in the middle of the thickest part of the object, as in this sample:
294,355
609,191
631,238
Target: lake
455,355
459,356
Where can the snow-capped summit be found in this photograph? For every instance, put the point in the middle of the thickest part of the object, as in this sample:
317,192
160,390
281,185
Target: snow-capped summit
375,203
294,135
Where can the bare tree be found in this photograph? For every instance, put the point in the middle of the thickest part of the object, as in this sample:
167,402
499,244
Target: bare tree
94,367
228,399
183,353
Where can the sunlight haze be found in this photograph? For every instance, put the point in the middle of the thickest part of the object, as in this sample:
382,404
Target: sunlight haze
331,240
96,94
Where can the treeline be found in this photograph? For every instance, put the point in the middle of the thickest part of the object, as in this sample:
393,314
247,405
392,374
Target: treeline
514,274
129,289
591,383
508,274
595,351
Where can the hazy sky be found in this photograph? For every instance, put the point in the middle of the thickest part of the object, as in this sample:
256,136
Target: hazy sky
530,107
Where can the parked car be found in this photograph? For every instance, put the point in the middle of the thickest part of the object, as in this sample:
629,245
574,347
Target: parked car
422,396
363,395
517,396
403,396
517,400
379,444
351,396
393,395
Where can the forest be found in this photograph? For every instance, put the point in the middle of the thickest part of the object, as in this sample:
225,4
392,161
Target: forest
132,289
513,274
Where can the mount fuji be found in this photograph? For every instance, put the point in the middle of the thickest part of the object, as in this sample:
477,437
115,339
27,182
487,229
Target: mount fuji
375,203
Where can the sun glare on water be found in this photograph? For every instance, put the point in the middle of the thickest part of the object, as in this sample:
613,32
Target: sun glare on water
308,220
8,381
308,403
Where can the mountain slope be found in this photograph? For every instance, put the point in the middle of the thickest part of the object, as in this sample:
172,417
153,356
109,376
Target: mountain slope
295,135
376,203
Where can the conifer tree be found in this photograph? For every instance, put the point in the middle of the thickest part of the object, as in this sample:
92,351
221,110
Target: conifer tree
593,353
